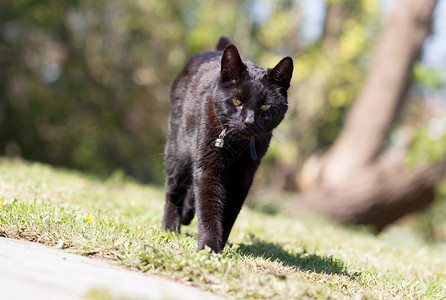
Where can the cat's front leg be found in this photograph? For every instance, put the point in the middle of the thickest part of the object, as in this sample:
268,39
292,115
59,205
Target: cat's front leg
209,197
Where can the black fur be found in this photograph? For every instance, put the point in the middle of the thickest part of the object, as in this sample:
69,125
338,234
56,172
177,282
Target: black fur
200,177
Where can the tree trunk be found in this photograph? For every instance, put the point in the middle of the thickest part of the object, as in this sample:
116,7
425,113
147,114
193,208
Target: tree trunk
369,120
356,182
380,194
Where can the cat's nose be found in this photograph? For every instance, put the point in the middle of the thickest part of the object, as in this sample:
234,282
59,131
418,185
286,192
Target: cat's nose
249,119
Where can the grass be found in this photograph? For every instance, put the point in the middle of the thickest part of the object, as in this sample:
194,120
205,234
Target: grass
271,256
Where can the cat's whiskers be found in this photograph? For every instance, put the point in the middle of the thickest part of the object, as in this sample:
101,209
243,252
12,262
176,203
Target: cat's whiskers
263,140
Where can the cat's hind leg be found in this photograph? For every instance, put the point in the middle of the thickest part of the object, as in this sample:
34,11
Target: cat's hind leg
178,180
188,207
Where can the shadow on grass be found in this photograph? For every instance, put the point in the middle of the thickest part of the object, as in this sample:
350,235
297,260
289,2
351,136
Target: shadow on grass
303,260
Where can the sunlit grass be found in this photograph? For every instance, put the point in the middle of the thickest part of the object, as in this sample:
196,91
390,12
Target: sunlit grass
270,255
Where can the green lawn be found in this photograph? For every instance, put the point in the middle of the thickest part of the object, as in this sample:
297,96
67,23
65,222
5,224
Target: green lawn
271,256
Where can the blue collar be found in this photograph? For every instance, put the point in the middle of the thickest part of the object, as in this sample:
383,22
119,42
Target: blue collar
252,149
219,142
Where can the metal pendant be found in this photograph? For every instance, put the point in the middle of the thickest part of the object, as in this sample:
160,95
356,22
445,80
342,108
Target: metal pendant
219,143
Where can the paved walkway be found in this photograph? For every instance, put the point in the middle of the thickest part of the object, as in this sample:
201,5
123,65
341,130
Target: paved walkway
33,271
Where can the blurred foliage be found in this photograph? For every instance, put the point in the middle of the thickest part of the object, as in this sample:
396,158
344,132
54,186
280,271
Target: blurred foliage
427,147
429,142
86,84
327,76
429,78
330,74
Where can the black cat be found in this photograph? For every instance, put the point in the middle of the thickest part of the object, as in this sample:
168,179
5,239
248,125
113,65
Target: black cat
222,112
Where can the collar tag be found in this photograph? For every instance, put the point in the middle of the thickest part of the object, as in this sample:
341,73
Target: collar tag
220,142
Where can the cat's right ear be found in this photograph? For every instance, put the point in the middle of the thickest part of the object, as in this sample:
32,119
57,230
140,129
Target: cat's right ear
232,67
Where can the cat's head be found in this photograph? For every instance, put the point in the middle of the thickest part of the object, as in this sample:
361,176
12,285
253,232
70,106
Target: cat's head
248,100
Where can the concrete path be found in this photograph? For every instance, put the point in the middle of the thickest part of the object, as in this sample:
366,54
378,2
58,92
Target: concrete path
33,271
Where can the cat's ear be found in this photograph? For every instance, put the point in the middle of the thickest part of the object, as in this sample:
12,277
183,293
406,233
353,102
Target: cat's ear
282,72
222,43
232,66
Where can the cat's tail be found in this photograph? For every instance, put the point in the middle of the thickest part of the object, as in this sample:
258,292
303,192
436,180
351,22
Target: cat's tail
222,43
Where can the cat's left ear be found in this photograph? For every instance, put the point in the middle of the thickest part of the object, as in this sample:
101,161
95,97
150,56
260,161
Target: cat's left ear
232,67
281,74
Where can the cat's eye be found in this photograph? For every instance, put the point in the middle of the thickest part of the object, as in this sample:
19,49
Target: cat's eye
265,106
236,102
